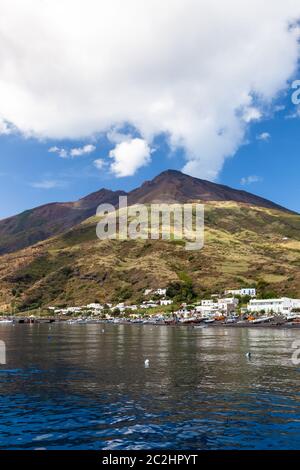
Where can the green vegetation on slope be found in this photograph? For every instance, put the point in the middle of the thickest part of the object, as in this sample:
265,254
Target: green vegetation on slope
243,246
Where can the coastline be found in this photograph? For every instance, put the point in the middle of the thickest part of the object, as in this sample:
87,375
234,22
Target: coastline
194,325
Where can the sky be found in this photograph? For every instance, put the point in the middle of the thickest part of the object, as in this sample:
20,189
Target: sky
109,94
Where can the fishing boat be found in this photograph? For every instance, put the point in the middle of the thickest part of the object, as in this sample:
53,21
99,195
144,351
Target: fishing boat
230,320
261,320
187,321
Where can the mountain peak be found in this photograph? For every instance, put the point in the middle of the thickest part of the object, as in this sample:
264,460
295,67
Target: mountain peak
170,186
174,186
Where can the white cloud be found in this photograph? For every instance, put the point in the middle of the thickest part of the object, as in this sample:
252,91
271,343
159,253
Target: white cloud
251,179
47,184
188,69
264,136
5,128
63,153
129,156
74,152
251,114
99,163
77,152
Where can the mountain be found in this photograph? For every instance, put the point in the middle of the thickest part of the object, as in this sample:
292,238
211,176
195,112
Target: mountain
245,245
49,220
40,223
174,186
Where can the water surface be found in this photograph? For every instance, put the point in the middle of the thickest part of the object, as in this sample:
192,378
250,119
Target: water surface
76,387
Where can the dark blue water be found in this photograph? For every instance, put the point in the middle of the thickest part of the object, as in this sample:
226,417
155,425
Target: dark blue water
75,387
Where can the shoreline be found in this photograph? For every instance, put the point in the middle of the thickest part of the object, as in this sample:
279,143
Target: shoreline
192,325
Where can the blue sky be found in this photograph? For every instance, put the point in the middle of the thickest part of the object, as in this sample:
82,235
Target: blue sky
158,90
30,175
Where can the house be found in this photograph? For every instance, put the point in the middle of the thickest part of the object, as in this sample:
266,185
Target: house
208,303
147,291
228,305
165,302
160,291
251,291
212,306
150,304
121,307
95,306
282,306
206,310
68,310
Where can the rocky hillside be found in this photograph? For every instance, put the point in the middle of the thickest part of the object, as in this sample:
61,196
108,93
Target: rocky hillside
174,186
40,223
244,245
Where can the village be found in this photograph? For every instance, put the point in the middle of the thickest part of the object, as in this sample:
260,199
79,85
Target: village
157,308
235,307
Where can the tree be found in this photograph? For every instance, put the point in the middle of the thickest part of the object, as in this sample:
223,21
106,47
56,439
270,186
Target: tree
116,312
181,291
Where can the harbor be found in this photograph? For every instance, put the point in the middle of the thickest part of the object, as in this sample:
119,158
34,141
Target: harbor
232,308
267,322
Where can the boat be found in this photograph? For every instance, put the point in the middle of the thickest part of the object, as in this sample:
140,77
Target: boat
261,320
6,321
209,320
186,321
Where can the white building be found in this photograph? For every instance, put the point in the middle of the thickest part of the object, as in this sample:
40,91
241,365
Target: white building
147,291
68,310
121,307
283,305
228,305
95,306
207,310
165,302
150,304
159,291
222,306
208,303
244,291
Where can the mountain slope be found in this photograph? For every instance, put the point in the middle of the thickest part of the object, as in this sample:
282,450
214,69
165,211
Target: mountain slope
38,224
244,245
174,186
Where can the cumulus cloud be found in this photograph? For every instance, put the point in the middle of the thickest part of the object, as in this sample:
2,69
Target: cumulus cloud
128,156
250,179
74,152
5,128
197,71
77,152
264,136
99,163
63,153
251,114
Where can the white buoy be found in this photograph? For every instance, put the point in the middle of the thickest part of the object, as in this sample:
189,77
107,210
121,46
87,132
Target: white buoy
248,355
147,363
103,331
